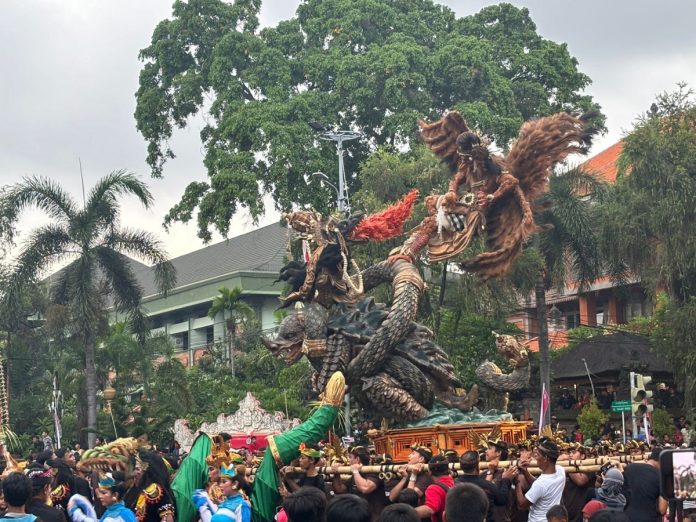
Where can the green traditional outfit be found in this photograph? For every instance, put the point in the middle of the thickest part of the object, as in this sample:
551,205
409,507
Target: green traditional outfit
192,475
285,447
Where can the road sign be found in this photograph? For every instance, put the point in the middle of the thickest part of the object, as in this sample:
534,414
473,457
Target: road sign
619,406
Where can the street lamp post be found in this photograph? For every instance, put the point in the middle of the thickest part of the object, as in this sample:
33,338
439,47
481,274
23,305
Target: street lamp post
342,202
339,137
109,395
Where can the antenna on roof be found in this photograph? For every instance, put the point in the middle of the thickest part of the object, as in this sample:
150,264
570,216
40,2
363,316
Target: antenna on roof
82,179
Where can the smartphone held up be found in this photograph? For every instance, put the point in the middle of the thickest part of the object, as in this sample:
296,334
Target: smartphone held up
678,474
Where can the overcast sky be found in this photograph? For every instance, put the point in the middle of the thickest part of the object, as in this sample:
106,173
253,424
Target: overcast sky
70,70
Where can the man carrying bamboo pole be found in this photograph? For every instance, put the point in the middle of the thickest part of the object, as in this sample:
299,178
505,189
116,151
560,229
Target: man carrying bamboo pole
418,479
546,490
577,484
435,494
497,496
309,457
368,485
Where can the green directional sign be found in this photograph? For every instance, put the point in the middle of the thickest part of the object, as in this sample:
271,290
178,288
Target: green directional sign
619,406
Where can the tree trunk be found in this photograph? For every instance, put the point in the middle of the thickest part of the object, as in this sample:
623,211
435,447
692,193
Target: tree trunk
231,338
542,325
91,382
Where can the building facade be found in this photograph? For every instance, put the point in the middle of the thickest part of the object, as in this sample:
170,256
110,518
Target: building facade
602,304
250,261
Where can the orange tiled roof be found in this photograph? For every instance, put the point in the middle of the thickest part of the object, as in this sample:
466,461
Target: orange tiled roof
604,163
557,339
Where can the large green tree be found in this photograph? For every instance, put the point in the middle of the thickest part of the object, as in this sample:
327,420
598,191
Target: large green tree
98,274
648,222
375,66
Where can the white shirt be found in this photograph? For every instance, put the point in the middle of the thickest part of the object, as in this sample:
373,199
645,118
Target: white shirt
546,491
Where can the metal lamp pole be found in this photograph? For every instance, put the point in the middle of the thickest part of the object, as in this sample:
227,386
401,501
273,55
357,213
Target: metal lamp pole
339,137
343,205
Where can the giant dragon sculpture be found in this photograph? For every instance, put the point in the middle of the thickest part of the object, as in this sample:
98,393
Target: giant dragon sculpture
391,363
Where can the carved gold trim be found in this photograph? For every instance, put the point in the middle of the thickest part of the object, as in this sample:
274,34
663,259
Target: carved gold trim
274,450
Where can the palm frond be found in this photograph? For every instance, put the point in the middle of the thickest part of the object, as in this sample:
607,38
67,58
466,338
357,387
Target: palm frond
44,193
123,285
118,183
568,240
45,246
146,247
139,324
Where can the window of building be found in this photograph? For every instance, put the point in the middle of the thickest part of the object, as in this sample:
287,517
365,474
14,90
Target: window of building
210,335
182,341
572,319
637,306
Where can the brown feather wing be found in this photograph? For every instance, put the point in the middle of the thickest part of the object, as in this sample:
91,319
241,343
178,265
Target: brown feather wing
441,136
542,144
508,225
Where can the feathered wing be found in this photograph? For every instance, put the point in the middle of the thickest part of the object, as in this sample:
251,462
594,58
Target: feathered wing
509,223
441,137
541,145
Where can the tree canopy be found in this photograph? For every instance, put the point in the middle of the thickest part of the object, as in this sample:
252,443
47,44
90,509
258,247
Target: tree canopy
652,203
374,66
647,224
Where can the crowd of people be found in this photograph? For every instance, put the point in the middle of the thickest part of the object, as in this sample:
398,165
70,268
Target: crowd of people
52,488
489,492
666,396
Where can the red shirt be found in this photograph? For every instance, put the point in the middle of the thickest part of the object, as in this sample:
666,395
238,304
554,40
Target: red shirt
435,496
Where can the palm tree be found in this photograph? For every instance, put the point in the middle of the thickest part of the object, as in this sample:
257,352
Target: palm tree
567,245
229,303
90,239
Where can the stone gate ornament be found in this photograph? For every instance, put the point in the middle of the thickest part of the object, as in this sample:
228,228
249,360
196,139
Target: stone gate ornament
249,419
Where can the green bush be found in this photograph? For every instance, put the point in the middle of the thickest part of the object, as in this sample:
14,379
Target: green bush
662,423
591,420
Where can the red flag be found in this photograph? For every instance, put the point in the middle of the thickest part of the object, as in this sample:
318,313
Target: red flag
545,403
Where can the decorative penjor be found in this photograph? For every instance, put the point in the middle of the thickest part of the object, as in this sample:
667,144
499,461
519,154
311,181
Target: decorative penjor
391,364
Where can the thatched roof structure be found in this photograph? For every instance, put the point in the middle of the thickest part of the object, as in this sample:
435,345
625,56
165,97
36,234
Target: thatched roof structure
608,355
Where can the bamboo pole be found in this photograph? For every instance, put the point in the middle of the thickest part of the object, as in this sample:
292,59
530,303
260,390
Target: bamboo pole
532,471
570,466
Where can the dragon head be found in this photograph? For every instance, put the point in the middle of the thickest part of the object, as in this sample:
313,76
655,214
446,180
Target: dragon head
511,349
119,455
288,344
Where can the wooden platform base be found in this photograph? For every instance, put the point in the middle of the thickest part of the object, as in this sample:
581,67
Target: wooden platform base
442,436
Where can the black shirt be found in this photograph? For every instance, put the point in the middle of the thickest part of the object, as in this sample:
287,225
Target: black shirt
377,500
642,491
575,497
315,482
497,496
83,488
44,512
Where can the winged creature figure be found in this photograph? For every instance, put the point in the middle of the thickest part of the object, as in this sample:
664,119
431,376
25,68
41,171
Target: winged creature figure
490,192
